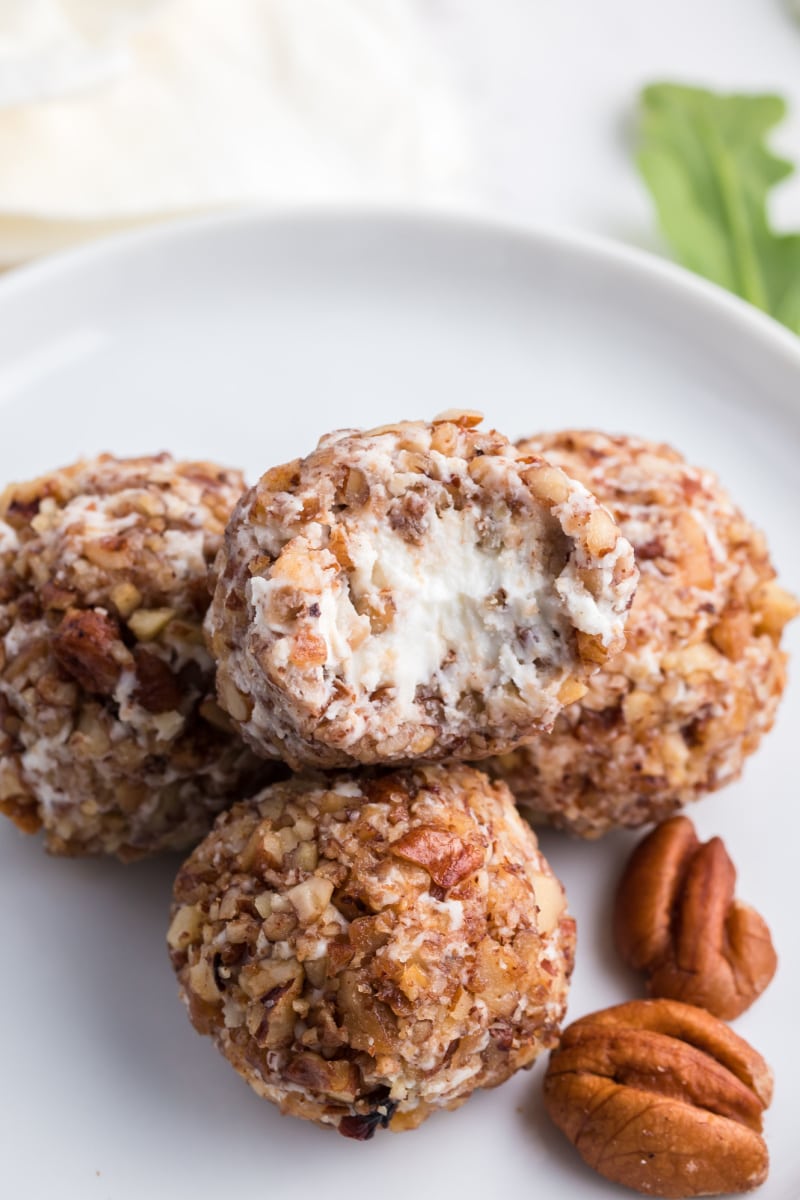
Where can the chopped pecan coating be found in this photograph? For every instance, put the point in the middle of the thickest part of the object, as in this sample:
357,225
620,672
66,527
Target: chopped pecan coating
87,645
677,712
677,920
339,978
663,1098
110,737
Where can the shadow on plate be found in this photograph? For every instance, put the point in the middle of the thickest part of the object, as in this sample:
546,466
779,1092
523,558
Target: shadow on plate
576,1180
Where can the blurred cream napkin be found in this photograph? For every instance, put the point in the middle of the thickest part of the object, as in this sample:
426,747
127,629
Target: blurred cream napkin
115,112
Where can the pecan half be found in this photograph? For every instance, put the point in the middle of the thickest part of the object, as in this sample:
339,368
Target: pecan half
663,1098
676,919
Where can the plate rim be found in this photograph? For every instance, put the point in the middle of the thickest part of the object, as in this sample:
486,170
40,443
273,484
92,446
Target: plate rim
632,267
633,263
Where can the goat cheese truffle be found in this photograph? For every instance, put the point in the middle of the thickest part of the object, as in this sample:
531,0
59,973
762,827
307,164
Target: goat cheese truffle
675,714
367,950
416,591
110,737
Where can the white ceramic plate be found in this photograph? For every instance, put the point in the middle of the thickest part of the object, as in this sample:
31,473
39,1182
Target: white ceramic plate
244,340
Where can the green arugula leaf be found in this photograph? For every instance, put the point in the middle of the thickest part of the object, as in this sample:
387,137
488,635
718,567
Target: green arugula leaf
705,160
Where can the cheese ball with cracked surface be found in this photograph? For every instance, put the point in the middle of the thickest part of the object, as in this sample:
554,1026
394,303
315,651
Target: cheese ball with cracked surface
110,737
416,591
676,713
369,949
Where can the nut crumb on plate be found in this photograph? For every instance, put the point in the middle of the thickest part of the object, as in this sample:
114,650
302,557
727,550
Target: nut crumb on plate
415,591
675,714
368,949
110,737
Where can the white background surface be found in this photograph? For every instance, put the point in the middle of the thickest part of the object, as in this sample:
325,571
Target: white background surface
541,103
552,86
244,342
114,1097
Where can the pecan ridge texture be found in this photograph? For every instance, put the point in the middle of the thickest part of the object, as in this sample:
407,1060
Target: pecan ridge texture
663,1098
676,919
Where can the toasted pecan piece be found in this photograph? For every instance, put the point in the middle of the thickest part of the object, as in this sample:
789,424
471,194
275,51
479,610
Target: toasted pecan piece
676,919
89,648
444,855
157,689
663,1098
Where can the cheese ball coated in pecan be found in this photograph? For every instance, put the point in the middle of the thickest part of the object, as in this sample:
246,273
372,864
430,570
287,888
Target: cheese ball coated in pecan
368,949
110,737
416,591
676,713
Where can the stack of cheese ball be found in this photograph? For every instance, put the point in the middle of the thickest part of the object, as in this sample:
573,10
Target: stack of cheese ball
302,675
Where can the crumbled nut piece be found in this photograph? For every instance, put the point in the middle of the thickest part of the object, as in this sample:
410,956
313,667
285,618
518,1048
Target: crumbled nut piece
675,714
676,919
310,898
773,608
184,927
662,1098
203,982
88,647
126,598
570,691
464,418
147,623
446,856
157,689
547,484
354,992
601,532
549,902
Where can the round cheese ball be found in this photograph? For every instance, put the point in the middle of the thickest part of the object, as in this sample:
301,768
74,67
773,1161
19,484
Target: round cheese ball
368,949
110,736
675,714
416,591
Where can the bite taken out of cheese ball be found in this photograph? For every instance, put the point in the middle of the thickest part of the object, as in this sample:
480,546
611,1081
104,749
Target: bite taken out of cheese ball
370,949
675,714
110,737
416,591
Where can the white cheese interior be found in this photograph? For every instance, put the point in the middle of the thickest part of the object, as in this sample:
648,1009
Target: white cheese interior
447,594
459,610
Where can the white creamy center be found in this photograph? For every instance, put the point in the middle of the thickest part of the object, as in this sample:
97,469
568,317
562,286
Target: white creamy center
457,609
